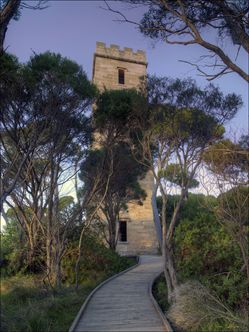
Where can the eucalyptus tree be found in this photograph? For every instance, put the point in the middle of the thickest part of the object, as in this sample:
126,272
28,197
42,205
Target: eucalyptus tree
123,187
228,163
57,97
210,24
112,157
20,132
185,22
173,132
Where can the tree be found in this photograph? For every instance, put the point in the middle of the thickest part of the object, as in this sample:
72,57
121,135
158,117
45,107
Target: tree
173,132
228,163
10,9
111,117
20,130
123,186
185,22
57,95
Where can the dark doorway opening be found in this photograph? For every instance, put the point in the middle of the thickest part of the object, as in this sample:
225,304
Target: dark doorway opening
122,231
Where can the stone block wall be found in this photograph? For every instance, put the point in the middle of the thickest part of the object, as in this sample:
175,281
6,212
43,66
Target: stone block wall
141,232
107,61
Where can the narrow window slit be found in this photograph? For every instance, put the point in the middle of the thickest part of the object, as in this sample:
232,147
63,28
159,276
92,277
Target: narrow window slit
121,76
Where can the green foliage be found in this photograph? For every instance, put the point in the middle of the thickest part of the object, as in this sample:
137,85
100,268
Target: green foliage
124,170
195,204
28,306
8,66
115,108
159,291
228,159
96,259
65,202
233,208
206,252
220,325
49,69
195,308
113,164
194,124
14,248
186,96
174,175
159,23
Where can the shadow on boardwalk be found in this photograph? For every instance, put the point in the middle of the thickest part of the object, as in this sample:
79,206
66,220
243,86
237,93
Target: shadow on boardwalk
124,303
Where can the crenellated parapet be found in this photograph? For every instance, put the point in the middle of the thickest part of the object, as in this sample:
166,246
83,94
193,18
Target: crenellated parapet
116,68
114,52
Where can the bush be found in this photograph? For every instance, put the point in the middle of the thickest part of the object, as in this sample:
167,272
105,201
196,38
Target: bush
195,308
27,305
159,291
96,260
204,251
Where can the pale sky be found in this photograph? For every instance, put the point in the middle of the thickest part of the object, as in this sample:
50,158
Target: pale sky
73,27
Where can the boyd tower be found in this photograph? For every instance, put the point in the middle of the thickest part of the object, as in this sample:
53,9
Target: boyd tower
121,69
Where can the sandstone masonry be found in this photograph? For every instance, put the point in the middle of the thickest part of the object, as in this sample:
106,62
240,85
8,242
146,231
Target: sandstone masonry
108,63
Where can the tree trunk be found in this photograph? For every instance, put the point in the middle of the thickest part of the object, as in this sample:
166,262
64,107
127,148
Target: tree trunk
56,268
49,239
31,254
3,31
6,14
112,234
243,248
176,215
165,264
169,268
156,216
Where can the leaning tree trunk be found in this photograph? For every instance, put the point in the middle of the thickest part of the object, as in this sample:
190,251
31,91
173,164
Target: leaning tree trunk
169,267
156,216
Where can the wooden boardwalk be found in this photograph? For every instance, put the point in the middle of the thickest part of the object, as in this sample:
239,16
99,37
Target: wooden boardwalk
124,303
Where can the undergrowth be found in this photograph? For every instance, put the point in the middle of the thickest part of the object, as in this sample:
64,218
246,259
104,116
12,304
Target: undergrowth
27,305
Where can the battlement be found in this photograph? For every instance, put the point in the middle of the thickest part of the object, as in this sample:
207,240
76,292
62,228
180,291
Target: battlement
114,52
118,69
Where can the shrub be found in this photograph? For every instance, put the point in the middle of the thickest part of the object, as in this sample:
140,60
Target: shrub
96,260
159,291
195,308
204,251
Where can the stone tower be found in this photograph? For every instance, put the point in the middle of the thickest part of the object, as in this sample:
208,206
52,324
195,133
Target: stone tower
121,69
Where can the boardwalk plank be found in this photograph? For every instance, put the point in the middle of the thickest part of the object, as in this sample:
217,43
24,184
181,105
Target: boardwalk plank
124,304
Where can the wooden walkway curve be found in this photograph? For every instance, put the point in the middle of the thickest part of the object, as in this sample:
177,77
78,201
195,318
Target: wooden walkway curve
124,303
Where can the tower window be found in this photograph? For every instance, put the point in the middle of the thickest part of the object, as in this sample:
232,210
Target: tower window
123,231
121,76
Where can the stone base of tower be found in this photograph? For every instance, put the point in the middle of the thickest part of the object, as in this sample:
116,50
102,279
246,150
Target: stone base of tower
141,240
141,232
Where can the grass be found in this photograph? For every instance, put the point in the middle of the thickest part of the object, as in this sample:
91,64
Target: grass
28,306
159,291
